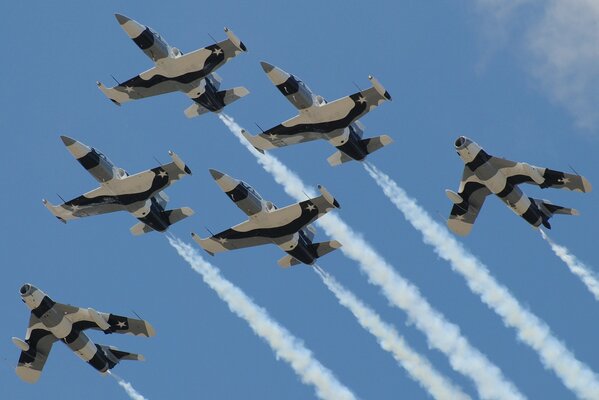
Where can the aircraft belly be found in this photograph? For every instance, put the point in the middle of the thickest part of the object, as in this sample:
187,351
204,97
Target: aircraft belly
83,347
61,329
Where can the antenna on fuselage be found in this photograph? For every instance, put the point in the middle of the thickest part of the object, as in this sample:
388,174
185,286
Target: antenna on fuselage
308,197
117,82
573,170
259,127
63,200
136,314
212,37
157,160
209,231
356,85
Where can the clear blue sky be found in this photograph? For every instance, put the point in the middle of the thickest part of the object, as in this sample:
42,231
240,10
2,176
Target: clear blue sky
452,68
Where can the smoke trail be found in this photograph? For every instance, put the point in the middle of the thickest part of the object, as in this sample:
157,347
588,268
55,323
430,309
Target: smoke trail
576,266
131,392
417,366
285,345
530,329
441,334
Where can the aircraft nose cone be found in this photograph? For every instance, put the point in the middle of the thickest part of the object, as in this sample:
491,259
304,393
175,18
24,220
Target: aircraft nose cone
67,140
132,27
25,288
216,175
266,66
225,182
275,74
122,19
77,149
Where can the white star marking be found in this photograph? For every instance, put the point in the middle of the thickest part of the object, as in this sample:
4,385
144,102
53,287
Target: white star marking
361,100
460,217
75,207
310,207
121,324
222,240
162,174
272,136
565,180
128,89
217,51
27,365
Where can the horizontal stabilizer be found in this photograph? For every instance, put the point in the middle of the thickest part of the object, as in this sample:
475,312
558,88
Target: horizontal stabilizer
117,97
114,355
210,246
139,229
325,247
259,144
176,215
328,197
549,209
59,212
288,261
338,158
228,96
235,40
375,143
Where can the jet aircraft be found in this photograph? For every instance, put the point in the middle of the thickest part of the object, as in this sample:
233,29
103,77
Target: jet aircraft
191,73
141,194
336,122
51,321
289,227
485,174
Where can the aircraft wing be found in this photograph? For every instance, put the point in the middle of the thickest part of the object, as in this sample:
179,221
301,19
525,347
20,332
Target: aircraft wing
88,318
322,120
472,194
119,193
173,74
518,172
40,341
270,226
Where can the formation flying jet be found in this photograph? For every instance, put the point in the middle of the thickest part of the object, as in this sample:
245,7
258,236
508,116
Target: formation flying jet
141,194
288,227
336,122
191,73
51,321
485,174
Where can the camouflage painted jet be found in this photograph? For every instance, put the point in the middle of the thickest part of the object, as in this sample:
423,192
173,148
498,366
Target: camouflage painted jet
51,321
485,174
336,122
288,227
141,194
191,73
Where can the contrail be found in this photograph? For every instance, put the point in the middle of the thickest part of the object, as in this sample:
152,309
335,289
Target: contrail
417,366
131,392
576,266
283,343
440,333
575,375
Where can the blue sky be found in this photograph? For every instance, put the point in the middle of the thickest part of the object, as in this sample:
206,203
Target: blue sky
497,74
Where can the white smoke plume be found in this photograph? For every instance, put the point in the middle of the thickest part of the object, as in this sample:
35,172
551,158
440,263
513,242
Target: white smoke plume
530,329
129,389
283,343
417,366
440,333
577,267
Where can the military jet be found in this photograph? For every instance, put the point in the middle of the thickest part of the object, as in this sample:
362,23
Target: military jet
485,174
191,73
336,122
51,321
288,227
141,194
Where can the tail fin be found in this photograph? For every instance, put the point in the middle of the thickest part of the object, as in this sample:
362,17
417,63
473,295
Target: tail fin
323,248
114,355
228,96
370,145
548,209
169,216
